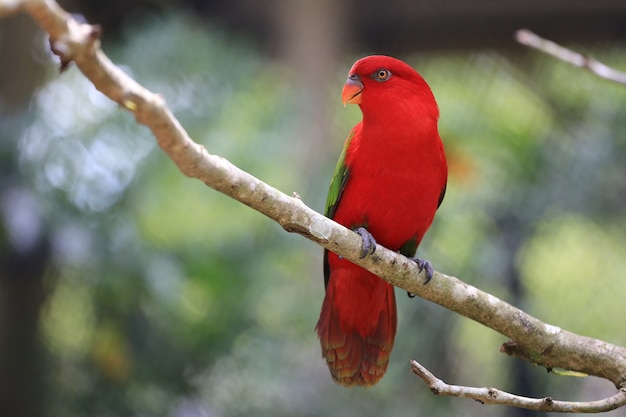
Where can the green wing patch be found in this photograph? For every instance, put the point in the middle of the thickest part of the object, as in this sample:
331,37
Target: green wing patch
409,248
339,180
337,185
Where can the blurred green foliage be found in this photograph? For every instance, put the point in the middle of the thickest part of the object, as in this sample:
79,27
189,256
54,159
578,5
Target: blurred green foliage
169,299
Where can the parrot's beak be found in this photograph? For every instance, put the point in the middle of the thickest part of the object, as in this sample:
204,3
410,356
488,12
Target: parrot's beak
352,90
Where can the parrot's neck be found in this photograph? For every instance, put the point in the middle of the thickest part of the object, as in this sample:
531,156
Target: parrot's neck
401,117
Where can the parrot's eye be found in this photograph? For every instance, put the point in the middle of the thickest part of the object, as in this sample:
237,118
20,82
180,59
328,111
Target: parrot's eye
381,75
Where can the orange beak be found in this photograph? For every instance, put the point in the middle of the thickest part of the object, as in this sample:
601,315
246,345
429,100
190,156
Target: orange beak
352,90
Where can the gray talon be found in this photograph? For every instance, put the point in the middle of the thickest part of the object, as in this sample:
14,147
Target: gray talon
423,264
369,243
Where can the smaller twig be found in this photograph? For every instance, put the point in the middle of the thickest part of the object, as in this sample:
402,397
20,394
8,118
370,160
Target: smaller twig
498,397
528,38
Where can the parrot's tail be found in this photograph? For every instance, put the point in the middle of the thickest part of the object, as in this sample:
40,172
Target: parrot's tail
357,326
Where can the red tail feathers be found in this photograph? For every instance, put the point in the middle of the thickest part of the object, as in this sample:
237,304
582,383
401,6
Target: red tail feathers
357,326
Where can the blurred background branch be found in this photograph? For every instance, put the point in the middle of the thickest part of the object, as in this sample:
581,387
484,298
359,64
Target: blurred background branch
143,265
528,38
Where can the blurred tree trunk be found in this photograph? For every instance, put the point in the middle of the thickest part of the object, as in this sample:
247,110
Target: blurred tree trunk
514,234
24,249
310,39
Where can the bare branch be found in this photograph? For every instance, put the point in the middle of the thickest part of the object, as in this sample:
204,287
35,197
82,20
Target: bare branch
498,397
528,38
531,339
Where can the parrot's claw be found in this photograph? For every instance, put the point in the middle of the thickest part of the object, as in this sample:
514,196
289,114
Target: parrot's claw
423,264
369,243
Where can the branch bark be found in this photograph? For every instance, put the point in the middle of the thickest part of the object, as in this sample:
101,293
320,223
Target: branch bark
531,339
496,396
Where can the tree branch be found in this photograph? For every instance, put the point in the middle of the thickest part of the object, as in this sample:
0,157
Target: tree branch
531,339
528,38
495,396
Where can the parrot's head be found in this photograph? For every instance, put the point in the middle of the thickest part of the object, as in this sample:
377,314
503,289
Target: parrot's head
382,83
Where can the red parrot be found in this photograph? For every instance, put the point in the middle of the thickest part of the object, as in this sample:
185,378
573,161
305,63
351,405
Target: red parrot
389,181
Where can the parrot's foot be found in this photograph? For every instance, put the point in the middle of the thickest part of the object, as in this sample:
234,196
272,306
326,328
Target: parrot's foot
423,264
369,243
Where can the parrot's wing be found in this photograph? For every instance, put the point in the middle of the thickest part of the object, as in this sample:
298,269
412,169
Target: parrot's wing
337,185
339,180
442,195
445,182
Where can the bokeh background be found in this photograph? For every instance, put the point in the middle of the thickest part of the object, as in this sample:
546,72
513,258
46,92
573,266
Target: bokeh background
127,289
